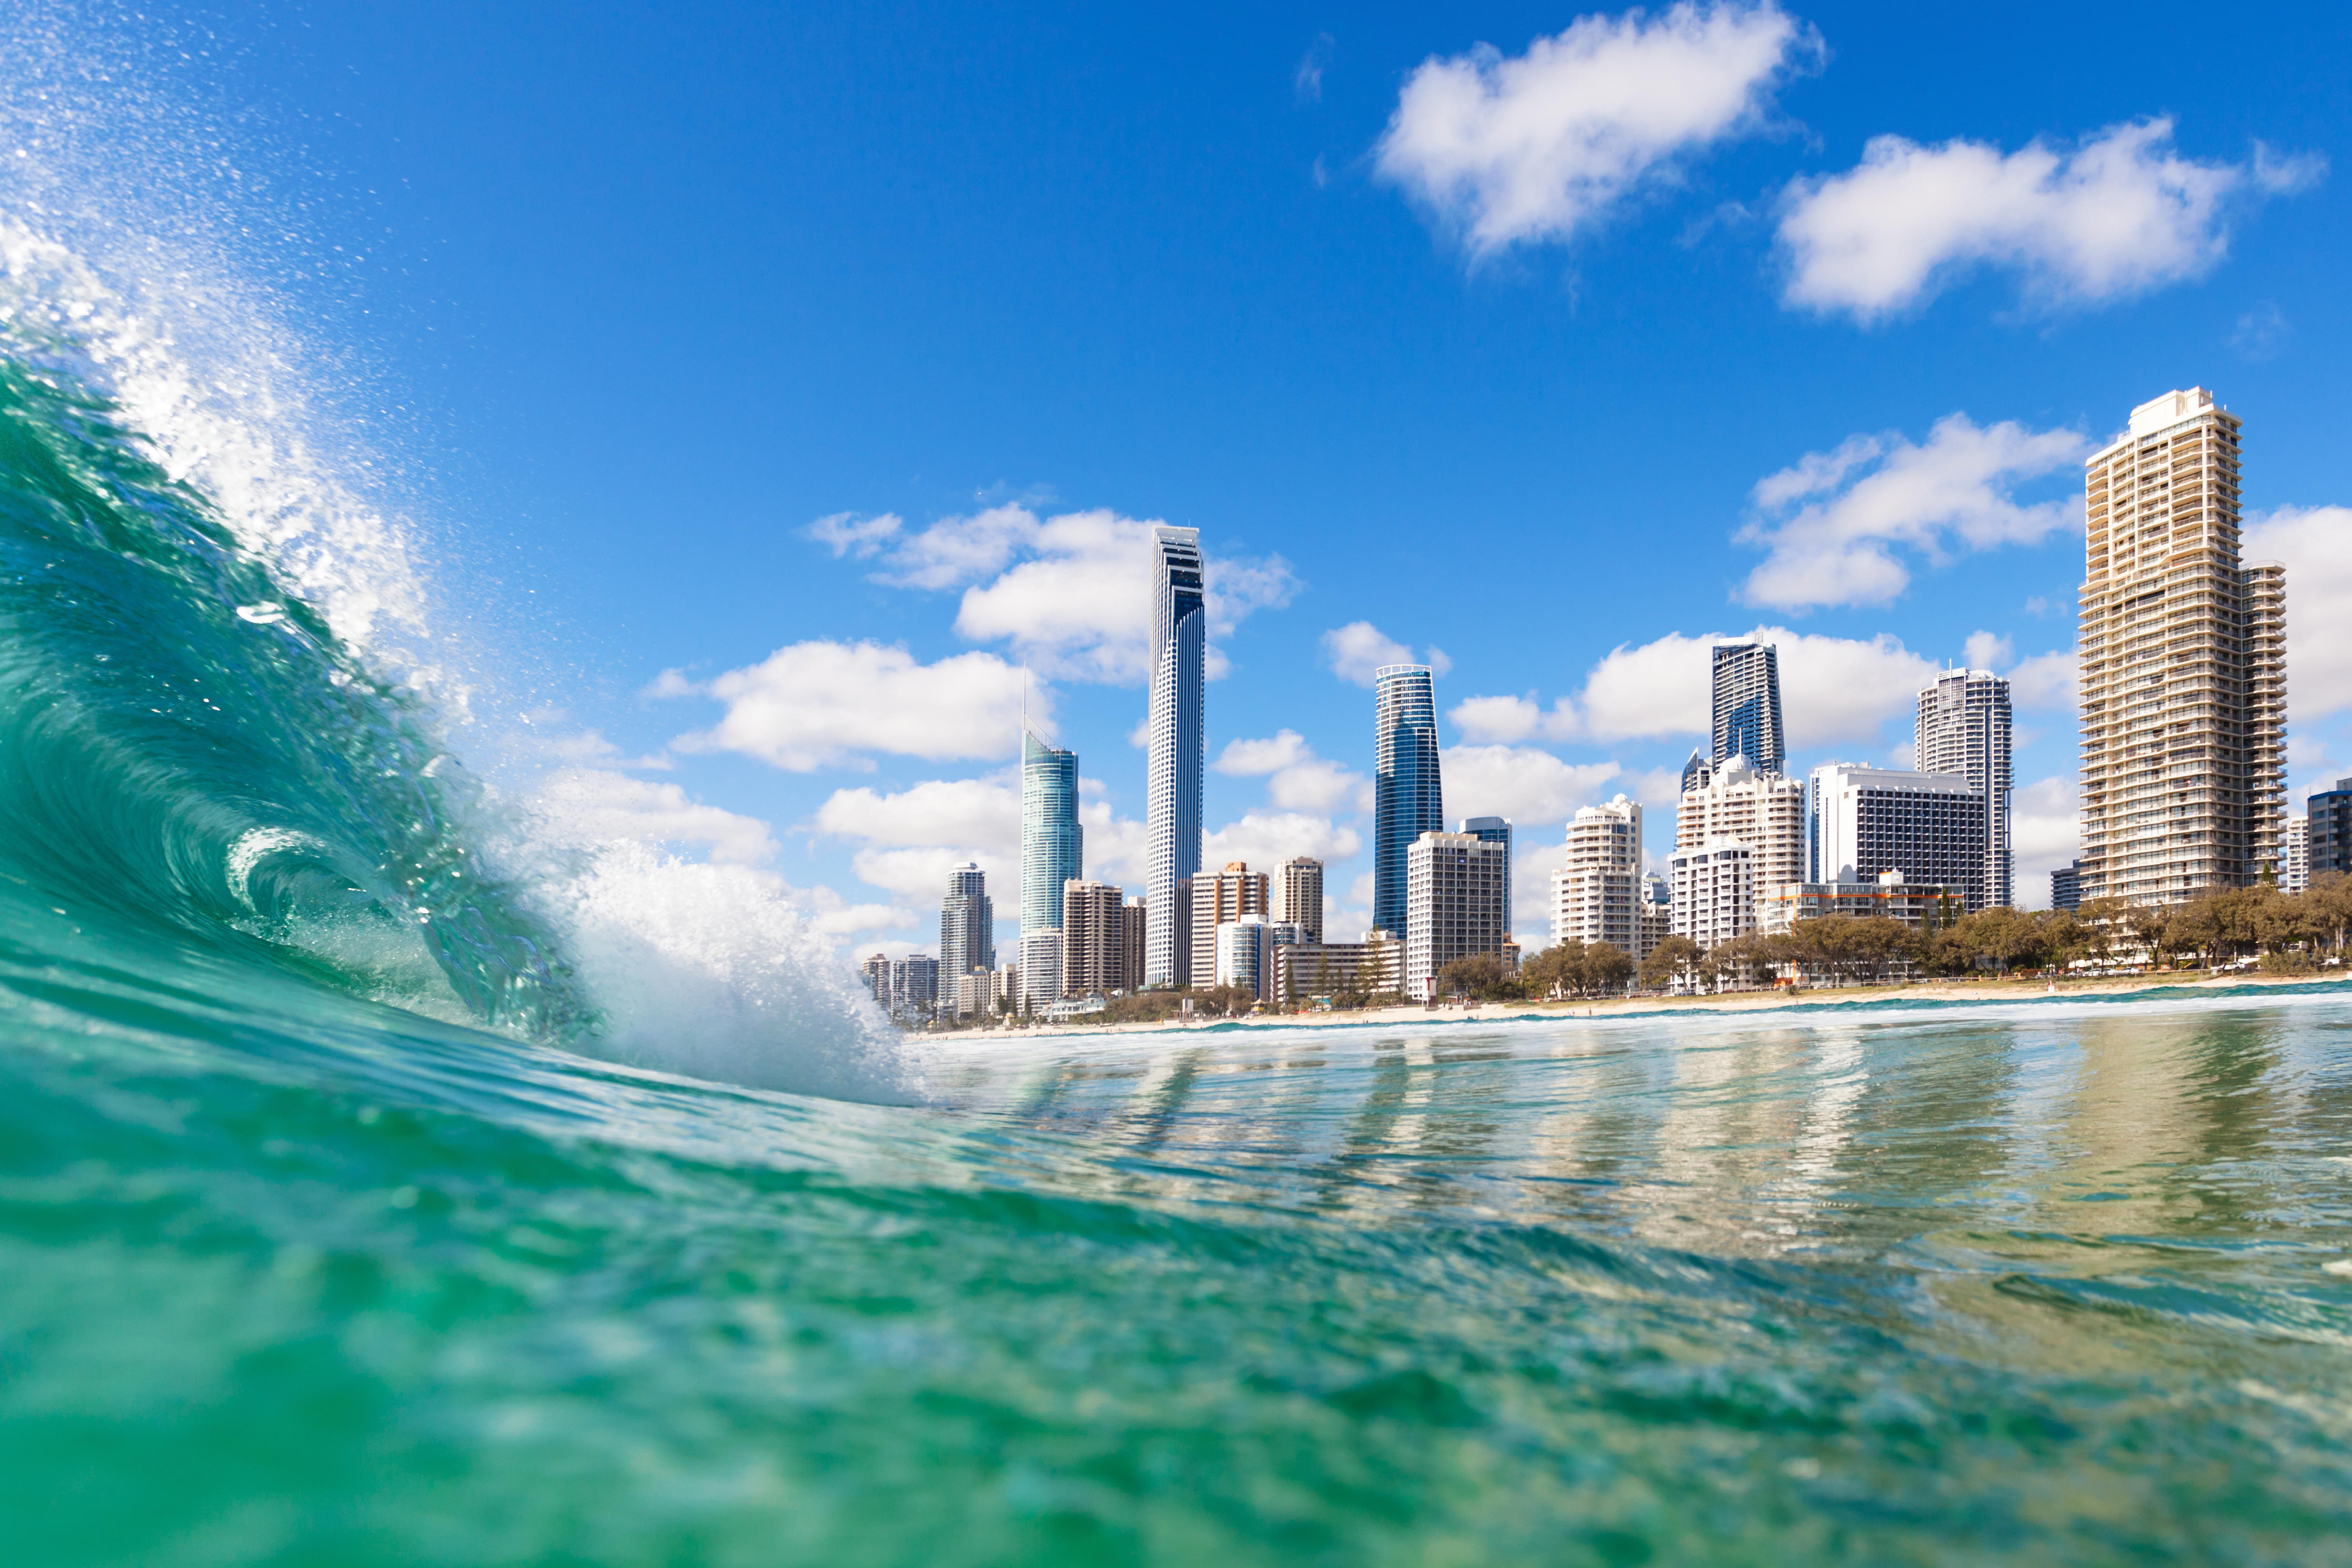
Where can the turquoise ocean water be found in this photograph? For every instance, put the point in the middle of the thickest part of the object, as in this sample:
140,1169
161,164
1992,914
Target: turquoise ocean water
389,1176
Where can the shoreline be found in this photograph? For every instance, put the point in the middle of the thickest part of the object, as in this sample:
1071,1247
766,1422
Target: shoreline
1937,991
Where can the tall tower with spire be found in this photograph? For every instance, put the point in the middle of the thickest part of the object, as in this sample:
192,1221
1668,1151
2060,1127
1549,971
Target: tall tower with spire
1180,632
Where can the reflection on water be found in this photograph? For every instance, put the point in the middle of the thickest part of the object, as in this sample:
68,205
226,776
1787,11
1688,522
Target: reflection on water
1848,1136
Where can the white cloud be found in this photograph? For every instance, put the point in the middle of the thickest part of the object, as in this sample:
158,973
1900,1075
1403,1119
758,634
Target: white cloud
818,704
1298,780
1534,789
1834,691
2045,826
2045,680
1357,649
1264,839
909,839
597,803
1539,145
2121,215
1829,521
1069,592
1507,721
1988,651
849,534
2315,545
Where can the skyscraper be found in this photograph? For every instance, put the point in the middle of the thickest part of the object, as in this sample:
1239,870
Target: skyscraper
1298,895
1764,811
1596,895
1456,885
1494,830
966,924
1180,623
2183,666
1748,706
1964,729
1407,798
1220,898
2327,830
1052,844
1094,931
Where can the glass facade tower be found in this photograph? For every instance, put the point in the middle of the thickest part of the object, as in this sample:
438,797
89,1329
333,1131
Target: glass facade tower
1407,798
1052,844
1180,630
1748,706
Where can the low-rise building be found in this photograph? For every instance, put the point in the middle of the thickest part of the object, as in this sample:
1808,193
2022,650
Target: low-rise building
1310,971
1890,897
1246,950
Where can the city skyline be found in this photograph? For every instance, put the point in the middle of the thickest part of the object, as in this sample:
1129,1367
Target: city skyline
1882,489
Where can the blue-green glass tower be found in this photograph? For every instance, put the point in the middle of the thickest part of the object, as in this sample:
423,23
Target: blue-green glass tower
1052,844
1407,799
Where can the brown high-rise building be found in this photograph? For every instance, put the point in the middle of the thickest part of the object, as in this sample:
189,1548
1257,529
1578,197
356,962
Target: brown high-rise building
1135,923
2183,666
1094,937
1298,896
1219,897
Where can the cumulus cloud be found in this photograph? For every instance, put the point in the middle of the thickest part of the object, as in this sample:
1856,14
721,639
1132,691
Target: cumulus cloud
2046,680
2314,543
2045,826
1070,593
1507,721
1297,779
1534,789
1264,839
2119,215
819,704
1538,146
909,839
1835,690
1357,649
599,804
1832,522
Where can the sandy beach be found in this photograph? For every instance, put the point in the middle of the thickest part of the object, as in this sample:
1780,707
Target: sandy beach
1986,989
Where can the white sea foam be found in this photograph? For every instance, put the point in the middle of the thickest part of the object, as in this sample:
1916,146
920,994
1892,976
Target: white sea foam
703,970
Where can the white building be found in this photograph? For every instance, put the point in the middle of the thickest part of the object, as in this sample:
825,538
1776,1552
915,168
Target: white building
2183,666
1596,894
1247,949
1456,889
1040,975
1964,727
1764,811
2296,874
1930,826
1715,890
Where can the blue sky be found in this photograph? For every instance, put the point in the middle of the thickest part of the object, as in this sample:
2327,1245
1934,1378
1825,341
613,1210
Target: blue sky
770,385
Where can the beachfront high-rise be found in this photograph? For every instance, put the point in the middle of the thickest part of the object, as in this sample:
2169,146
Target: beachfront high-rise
1298,895
1964,729
1052,844
1596,895
1748,706
1865,822
2183,666
1408,800
967,925
1180,631
1455,884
